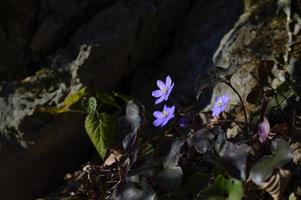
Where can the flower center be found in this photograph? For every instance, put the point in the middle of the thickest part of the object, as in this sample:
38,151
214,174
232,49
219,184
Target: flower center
164,90
165,113
219,103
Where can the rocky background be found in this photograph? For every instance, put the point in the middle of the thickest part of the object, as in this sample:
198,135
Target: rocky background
51,48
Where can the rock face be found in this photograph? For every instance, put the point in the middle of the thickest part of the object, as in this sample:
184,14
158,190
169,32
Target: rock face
266,31
58,46
190,53
30,30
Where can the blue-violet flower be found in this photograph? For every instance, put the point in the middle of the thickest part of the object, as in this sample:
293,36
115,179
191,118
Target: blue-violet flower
162,118
164,90
220,105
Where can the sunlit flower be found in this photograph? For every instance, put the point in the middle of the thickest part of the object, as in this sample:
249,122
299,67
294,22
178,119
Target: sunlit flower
164,90
220,105
162,118
263,130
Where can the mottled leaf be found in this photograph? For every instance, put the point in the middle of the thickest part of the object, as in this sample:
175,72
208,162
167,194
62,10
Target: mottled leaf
233,157
130,123
173,156
170,178
129,142
201,140
263,169
131,191
133,117
169,175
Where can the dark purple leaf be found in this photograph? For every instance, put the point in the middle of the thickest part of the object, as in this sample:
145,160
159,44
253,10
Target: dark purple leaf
134,191
232,156
263,169
170,178
201,140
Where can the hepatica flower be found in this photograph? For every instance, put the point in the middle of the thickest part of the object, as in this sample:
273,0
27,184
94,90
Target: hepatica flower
162,118
263,130
164,90
220,105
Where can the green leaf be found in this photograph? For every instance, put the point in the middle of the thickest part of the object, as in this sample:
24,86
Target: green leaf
74,98
69,101
135,191
222,188
91,105
100,128
52,110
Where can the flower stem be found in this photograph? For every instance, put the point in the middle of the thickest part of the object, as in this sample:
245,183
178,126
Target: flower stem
242,103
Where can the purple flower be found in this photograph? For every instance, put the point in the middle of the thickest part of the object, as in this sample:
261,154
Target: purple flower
263,130
183,122
163,117
220,105
164,90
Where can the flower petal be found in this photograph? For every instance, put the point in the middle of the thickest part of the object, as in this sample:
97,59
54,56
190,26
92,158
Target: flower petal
158,114
165,108
222,107
225,99
168,81
171,110
166,120
161,99
218,99
169,91
157,93
216,111
161,84
158,122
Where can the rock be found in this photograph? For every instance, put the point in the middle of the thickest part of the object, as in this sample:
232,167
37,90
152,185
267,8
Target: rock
103,46
58,19
36,148
124,36
29,30
259,34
